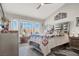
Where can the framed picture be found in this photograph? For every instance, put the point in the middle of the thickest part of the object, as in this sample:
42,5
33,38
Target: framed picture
77,21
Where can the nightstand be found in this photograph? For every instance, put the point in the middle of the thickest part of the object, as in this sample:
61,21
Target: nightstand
74,42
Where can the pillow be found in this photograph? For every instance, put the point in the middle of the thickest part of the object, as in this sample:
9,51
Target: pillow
45,42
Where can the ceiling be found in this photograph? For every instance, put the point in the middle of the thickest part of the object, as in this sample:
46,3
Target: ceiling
29,9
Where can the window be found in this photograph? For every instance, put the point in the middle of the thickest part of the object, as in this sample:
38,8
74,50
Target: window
26,25
36,25
0,25
30,26
60,16
14,25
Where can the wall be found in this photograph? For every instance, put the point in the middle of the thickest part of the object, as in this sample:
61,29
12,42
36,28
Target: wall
72,10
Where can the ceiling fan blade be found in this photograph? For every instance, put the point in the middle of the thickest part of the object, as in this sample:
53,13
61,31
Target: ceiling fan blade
48,3
41,4
3,15
38,6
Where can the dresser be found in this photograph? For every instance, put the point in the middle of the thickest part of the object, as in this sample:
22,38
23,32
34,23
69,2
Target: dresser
9,44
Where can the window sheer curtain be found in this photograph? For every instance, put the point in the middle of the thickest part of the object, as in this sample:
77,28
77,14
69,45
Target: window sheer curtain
17,25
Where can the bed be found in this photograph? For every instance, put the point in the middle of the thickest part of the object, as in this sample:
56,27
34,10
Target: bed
52,43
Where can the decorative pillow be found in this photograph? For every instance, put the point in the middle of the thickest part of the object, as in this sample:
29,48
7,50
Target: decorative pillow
45,42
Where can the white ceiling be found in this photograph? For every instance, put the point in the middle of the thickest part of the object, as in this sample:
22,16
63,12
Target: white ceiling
29,9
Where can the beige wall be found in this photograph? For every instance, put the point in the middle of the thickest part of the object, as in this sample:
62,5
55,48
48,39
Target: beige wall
72,11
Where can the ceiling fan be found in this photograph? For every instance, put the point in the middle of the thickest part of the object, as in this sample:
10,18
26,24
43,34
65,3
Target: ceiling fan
41,4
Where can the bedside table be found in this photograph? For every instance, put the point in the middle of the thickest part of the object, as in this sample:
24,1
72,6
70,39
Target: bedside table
74,42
